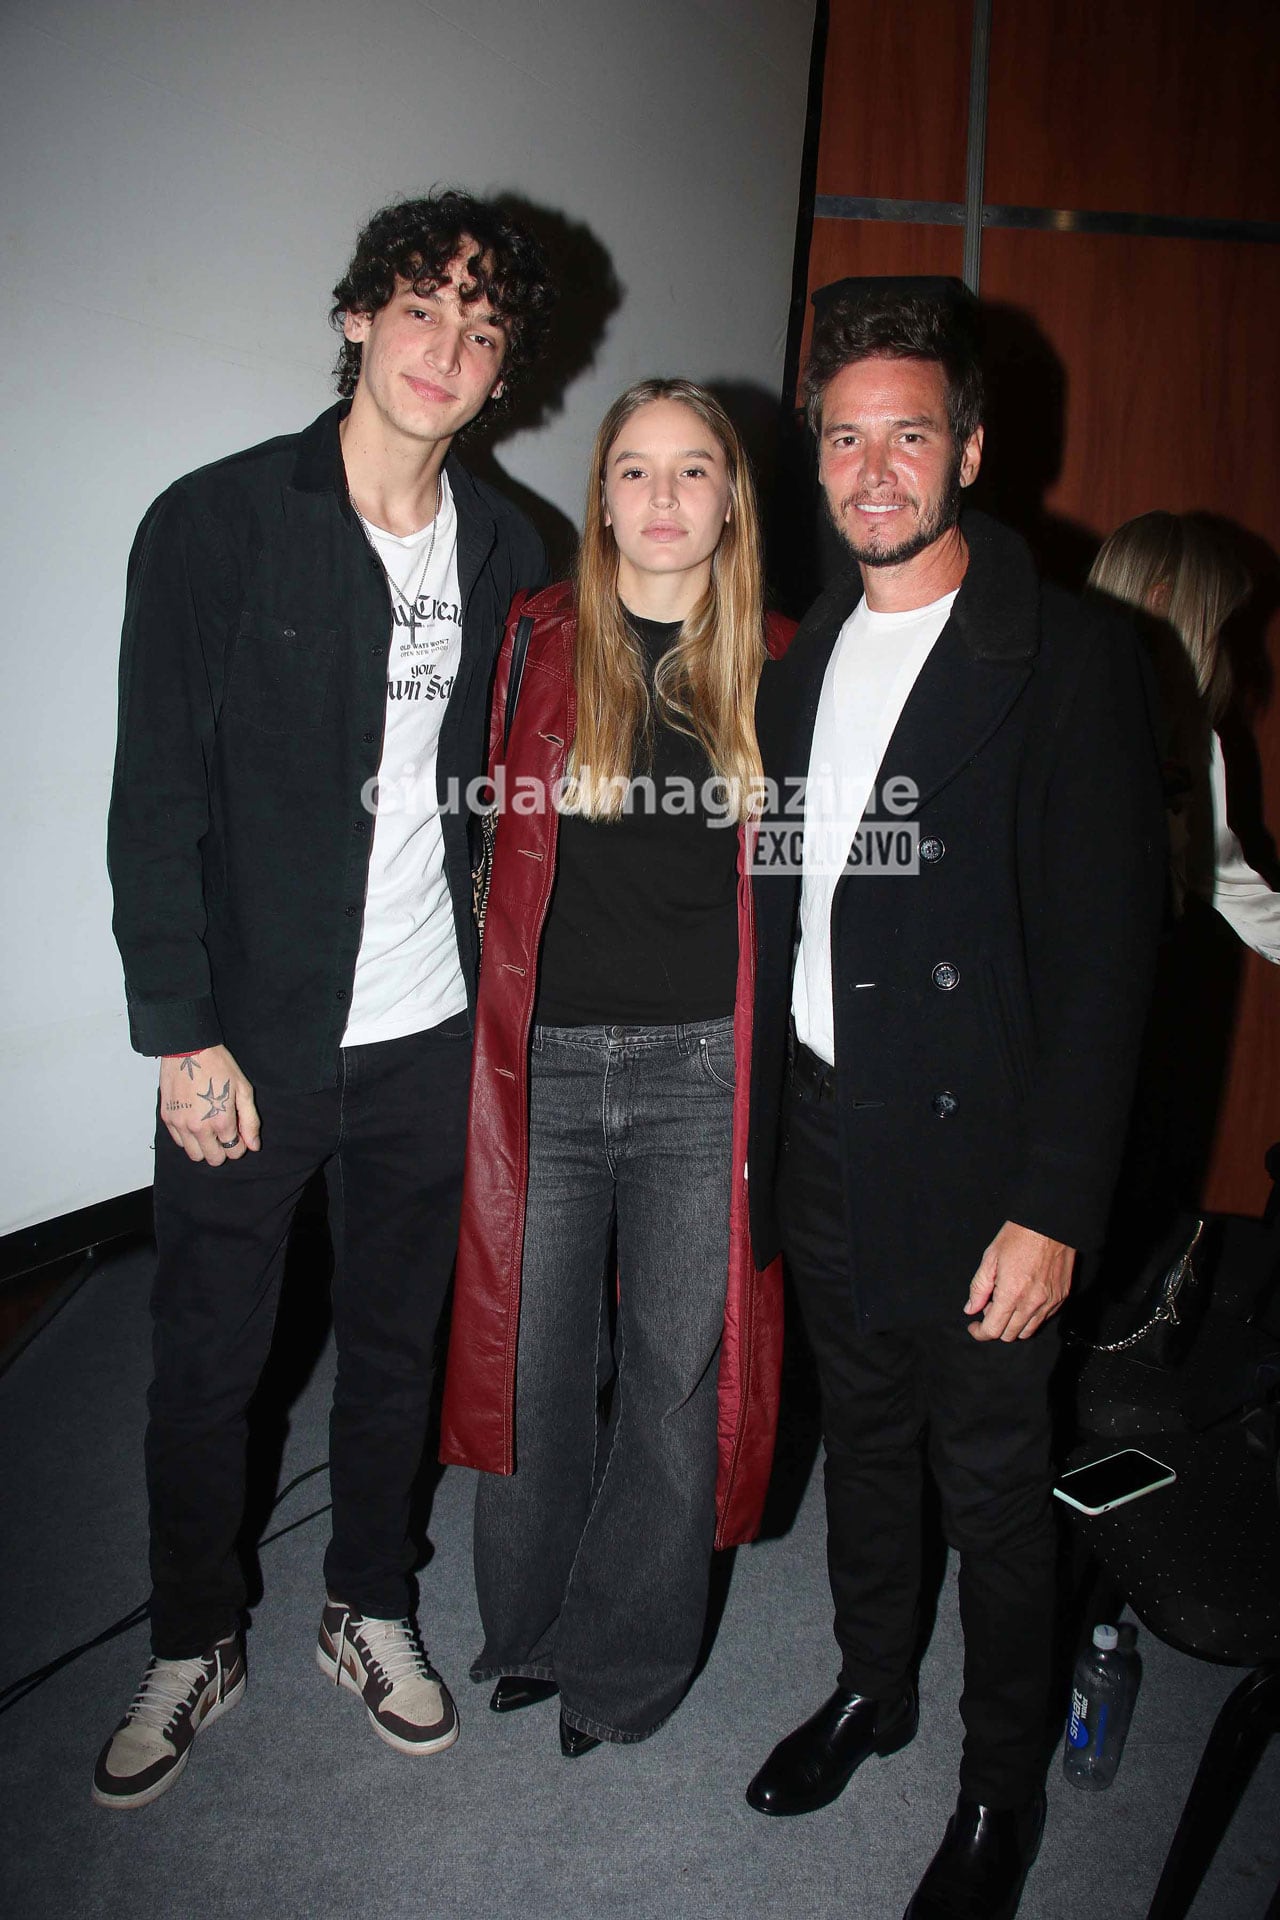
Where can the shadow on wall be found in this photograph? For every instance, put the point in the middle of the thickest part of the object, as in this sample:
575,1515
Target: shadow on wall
1025,437
786,488
804,552
590,294
754,412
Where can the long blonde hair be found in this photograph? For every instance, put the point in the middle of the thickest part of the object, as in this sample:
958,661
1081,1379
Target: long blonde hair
1203,580
705,685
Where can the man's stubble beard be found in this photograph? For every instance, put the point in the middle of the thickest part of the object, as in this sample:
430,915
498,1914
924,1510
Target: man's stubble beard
945,516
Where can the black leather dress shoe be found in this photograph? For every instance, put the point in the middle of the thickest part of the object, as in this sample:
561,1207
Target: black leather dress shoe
816,1762
515,1690
573,1742
978,1871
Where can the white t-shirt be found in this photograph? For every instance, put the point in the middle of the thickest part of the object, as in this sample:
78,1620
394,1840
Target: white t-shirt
1243,898
874,664
408,975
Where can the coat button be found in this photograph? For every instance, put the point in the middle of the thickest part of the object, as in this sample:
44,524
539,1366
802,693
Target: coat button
944,1105
367,738
360,826
932,849
945,976
341,994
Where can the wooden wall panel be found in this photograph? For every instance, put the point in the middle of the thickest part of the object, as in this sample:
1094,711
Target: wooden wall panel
1155,337
1138,106
895,104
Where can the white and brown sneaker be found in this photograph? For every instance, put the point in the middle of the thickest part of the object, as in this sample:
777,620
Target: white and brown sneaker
383,1661
150,1747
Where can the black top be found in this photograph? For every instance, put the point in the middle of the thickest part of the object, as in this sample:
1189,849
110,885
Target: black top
642,929
253,695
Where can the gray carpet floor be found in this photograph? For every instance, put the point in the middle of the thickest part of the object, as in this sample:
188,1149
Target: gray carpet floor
291,1807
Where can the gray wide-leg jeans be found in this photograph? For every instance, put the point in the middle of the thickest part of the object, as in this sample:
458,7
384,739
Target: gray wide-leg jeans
592,1571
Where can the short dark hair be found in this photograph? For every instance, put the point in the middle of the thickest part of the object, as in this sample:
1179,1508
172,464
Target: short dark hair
416,240
898,326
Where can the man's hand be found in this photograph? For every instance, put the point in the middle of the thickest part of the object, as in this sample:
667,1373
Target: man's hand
1023,1279
207,1105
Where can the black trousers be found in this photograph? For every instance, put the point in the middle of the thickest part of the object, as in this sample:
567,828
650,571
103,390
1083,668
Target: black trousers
390,1137
979,1411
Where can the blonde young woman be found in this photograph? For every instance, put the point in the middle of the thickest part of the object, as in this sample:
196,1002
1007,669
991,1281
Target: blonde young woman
1175,568
605,1180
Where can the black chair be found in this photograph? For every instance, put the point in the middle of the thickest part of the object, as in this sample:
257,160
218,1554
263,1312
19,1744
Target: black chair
1198,1562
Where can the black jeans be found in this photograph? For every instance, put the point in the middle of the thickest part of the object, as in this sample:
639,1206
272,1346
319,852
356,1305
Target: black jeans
390,1137
981,1411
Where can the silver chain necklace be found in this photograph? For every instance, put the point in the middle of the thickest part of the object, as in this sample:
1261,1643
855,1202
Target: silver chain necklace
410,604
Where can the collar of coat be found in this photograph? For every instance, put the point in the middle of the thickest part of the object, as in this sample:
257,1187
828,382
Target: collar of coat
976,672
318,468
996,615
557,602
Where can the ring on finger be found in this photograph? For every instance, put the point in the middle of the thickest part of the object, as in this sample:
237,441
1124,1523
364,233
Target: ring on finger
227,1145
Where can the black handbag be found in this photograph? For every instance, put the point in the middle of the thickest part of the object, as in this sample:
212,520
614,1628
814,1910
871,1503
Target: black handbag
1157,1319
482,872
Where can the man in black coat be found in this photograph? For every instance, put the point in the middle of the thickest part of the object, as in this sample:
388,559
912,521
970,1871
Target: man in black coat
958,885
309,640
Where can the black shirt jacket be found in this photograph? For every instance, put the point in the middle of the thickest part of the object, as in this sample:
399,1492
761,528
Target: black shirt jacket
253,687
989,1007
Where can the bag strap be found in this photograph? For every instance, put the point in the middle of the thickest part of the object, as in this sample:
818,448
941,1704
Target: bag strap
1176,1277
519,651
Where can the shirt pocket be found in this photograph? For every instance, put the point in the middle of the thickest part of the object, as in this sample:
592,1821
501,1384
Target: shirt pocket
279,673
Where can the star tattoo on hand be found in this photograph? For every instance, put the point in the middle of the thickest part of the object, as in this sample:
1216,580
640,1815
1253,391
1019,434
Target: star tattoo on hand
217,1101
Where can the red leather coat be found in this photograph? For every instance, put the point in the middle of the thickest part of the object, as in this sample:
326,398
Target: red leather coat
477,1427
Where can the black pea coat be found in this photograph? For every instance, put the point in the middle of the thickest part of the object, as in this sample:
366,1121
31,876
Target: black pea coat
988,1007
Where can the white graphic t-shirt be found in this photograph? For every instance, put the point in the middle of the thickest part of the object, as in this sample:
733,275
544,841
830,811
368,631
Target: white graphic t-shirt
407,972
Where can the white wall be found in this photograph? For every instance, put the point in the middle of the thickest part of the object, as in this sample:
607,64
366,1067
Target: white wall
183,182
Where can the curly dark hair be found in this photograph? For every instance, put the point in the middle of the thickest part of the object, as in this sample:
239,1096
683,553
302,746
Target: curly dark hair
899,325
416,240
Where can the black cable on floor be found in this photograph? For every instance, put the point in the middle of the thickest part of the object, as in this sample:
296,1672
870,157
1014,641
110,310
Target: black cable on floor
19,1689
280,1532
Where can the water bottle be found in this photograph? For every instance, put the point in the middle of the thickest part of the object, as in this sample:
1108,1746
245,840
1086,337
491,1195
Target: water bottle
1132,1661
1103,1690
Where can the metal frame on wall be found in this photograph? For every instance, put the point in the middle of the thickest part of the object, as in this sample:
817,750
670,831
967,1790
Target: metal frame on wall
808,204
974,214
975,163
954,213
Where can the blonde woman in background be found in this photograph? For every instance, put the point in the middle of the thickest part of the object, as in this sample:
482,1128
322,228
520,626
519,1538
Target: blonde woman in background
608,1101
1176,569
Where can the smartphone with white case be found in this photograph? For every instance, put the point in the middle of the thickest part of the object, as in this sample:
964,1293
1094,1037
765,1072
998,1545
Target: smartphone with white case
1113,1480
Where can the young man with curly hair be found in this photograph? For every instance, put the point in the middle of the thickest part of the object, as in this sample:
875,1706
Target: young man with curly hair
310,631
